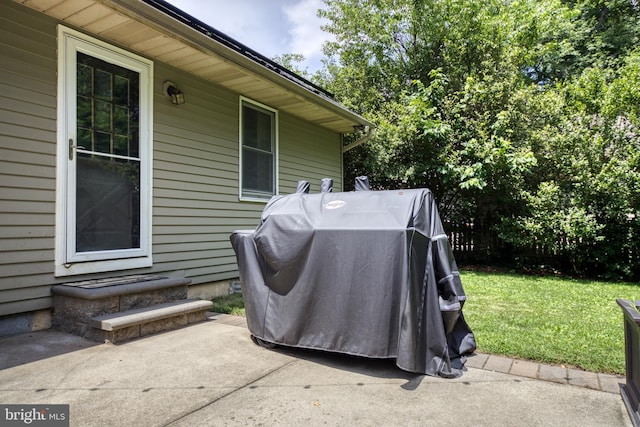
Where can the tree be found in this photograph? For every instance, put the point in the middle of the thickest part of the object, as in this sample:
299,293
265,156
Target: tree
584,202
292,61
438,78
521,116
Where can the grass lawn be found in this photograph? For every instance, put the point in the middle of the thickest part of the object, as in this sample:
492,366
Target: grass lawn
548,319
229,304
554,320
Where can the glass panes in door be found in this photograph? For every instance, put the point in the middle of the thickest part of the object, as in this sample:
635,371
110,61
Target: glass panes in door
108,157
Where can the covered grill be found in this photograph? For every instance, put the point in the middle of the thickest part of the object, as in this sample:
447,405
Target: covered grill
367,273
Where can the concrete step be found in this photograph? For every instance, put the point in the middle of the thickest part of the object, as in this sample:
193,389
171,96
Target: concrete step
122,308
123,319
130,324
119,286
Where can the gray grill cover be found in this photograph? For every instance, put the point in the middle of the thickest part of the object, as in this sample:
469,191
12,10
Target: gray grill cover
367,273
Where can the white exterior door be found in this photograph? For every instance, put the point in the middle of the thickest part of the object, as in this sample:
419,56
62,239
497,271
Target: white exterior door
104,157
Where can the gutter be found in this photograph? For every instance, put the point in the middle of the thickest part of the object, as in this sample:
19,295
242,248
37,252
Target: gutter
359,141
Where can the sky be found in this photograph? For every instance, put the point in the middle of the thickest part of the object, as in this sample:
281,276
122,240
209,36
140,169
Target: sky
270,27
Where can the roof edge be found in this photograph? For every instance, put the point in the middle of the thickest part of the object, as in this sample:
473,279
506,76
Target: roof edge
233,44
172,20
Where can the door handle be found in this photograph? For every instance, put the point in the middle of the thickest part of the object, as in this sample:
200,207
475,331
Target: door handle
72,147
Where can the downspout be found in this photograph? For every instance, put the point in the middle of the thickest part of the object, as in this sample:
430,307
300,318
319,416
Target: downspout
359,141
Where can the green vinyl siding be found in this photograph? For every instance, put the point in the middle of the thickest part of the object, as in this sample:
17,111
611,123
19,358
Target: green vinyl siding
27,158
195,169
308,152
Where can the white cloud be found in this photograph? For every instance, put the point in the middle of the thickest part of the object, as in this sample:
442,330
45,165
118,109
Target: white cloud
307,37
255,23
272,27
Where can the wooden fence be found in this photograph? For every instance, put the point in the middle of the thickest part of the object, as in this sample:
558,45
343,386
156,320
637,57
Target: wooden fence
476,243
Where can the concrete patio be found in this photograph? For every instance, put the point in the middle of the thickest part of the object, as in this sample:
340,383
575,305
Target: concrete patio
212,374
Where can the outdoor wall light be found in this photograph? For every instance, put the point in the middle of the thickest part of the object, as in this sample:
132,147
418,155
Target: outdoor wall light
176,95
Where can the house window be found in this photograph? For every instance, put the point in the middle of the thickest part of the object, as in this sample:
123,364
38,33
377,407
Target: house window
258,151
103,210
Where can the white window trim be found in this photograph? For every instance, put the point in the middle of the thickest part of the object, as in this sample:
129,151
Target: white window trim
276,161
70,42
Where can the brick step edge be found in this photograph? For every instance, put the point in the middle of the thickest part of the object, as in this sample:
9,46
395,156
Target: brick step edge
123,319
92,290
